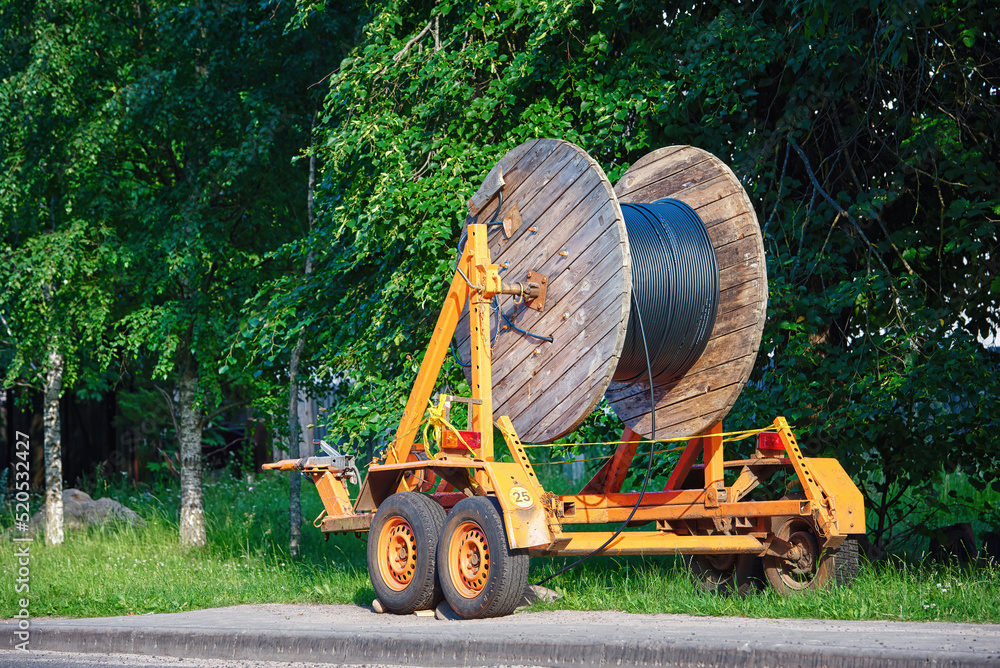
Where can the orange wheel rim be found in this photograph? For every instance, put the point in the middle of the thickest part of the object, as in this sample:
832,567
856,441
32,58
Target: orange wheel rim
397,553
469,553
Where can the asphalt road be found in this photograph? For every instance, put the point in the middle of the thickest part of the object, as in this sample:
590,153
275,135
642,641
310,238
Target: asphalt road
256,635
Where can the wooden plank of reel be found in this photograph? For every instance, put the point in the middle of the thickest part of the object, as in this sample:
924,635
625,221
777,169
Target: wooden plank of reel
570,230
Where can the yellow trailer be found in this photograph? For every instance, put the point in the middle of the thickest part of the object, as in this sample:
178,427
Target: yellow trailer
589,298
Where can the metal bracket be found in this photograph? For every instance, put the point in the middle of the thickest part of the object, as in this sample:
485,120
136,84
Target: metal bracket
813,492
744,484
344,465
538,303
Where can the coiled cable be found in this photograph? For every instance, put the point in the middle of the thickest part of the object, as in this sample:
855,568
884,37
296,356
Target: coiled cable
675,283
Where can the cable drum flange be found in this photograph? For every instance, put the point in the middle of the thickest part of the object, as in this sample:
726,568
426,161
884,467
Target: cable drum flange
562,220
704,393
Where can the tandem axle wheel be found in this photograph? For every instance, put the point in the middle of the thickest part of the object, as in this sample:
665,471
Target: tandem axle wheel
416,557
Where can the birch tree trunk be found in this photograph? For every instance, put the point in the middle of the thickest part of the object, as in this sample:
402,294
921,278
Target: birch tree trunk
53,449
294,450
192,518
294,429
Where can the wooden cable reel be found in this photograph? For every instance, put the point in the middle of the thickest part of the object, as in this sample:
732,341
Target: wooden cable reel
562,221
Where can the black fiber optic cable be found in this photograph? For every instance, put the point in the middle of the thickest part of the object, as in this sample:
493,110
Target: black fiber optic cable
675,282
676,275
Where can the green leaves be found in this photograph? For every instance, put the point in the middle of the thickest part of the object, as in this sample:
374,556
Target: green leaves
62,256
411,127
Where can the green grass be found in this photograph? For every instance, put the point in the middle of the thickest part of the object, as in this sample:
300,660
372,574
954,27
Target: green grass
123,570
889,591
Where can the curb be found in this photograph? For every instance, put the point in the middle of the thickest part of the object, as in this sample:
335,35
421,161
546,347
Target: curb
437,650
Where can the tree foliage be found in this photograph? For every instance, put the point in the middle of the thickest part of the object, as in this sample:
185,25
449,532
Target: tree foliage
56,252
864,131
164,134
55,302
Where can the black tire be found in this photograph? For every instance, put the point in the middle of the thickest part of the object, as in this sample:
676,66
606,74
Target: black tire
846,561
402,552
480,575
726,574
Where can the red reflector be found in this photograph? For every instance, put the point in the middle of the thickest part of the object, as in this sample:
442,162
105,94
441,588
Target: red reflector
769,441
472,438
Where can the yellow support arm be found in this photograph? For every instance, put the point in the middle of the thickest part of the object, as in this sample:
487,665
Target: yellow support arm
476,282
430,366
